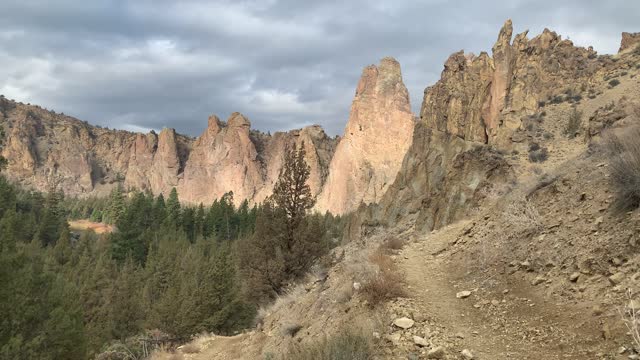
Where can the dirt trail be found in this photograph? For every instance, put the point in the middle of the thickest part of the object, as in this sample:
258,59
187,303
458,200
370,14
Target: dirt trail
504,318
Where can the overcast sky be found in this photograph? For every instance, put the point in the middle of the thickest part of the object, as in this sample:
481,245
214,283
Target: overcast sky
149,64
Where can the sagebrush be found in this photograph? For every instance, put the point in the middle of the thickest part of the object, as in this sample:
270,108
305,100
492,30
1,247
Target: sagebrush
573,124
624,166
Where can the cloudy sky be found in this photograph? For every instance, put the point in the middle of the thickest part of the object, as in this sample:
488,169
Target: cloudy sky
149,64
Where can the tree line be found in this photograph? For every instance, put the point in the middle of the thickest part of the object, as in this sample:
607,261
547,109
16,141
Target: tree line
176,269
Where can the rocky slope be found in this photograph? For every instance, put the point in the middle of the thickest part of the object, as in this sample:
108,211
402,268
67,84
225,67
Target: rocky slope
227,156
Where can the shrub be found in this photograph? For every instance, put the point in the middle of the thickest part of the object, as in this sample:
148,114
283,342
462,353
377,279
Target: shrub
291,329
393,243
386,283
523,218
557,99
624,167
345,345
537,153
614,82
574,124
534,146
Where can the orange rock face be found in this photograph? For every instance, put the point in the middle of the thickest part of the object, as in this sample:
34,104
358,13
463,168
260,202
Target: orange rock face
222,159
376,138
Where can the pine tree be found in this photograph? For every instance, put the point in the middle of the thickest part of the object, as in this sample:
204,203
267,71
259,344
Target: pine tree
126,302
199,221
132,237
52,218
116,205
261,256
62,250
9,231
7,196
40,317
173,208
188,223
159,210
95,295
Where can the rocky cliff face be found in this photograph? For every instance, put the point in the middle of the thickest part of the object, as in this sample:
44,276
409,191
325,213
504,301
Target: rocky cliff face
43,146
375,141
471,118
483,98
222,159
228,156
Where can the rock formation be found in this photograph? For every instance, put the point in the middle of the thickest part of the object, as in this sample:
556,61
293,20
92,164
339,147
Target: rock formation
629,40
469,118
228,156
222,159
375,141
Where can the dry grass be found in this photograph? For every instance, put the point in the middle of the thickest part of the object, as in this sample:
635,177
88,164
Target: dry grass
386,283
523,218
345,345
86,225
166,355
631,319
282,301
624,166
344,293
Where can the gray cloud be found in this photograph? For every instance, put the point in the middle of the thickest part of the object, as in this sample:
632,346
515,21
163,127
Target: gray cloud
149,64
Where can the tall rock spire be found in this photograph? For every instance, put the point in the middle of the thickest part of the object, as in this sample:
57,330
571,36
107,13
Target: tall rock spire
376,138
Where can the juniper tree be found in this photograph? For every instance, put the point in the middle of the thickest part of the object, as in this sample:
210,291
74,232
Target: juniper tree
285,242
291,193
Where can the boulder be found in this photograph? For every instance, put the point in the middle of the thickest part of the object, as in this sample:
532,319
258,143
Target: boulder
404,323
